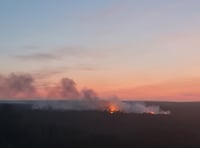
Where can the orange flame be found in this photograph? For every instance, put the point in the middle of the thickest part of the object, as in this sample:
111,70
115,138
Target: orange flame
112,108
152,113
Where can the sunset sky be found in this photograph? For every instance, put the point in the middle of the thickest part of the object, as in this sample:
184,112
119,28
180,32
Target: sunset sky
132,49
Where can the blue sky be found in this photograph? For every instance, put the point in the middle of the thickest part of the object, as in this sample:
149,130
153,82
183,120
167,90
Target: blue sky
122,43
50,23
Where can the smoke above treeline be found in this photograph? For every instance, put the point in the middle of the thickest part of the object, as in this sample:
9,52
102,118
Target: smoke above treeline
109,105
23,86
15,86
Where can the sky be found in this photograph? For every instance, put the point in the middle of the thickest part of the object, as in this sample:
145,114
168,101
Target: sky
132,49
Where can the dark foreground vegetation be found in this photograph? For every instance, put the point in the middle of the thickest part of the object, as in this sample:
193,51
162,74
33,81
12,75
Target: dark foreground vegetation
21,127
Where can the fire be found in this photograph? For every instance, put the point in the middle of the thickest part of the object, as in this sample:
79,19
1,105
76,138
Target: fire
152,113
112,108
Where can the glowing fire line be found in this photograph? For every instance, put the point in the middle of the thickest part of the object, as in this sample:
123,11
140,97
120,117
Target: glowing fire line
112,108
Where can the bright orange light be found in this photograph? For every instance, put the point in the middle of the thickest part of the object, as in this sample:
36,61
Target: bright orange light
151,112
112,108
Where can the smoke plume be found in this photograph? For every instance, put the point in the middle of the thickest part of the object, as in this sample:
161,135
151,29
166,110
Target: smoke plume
17,86
23,86
100,105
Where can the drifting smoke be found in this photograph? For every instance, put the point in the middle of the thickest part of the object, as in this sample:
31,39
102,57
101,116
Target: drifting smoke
65,89
101,105
17,86
143,108
22,86
68,89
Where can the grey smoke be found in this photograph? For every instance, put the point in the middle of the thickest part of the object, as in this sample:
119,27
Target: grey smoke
143,108
23,86
18,86
68,88
14,86
100,105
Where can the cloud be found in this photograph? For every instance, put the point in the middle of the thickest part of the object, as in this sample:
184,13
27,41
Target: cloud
62,53
47,72
38,56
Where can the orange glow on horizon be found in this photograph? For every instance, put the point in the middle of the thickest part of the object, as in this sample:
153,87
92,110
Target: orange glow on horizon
152,113
112,108
182,90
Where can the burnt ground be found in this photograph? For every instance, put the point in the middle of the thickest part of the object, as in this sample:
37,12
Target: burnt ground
21,127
